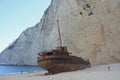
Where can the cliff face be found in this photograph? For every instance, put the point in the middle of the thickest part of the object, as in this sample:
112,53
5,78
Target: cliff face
89,28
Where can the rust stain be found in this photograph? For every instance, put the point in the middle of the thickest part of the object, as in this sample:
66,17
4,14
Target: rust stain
59,60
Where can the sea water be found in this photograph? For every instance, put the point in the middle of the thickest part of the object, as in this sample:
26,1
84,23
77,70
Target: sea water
19,69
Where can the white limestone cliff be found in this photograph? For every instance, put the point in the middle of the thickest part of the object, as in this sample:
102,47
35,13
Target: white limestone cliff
89,28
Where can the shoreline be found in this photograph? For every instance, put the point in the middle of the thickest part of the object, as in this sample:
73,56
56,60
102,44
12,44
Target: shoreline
75,75
10,69
93,73
24,73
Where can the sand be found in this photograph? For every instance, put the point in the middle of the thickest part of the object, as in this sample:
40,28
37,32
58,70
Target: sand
94,73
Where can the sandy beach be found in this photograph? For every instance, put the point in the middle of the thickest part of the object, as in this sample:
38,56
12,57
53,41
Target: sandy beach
94,73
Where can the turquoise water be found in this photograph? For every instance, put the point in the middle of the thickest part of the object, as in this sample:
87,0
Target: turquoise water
19,69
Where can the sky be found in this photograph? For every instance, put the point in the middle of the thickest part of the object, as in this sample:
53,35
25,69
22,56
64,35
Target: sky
16,16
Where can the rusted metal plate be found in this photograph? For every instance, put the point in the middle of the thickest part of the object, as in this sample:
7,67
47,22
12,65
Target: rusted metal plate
62,64
59,60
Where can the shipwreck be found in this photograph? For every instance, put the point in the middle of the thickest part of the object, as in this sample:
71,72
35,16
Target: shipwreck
60,60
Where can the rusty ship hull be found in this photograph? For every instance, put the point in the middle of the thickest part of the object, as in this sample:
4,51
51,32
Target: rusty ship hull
59,59
57,64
